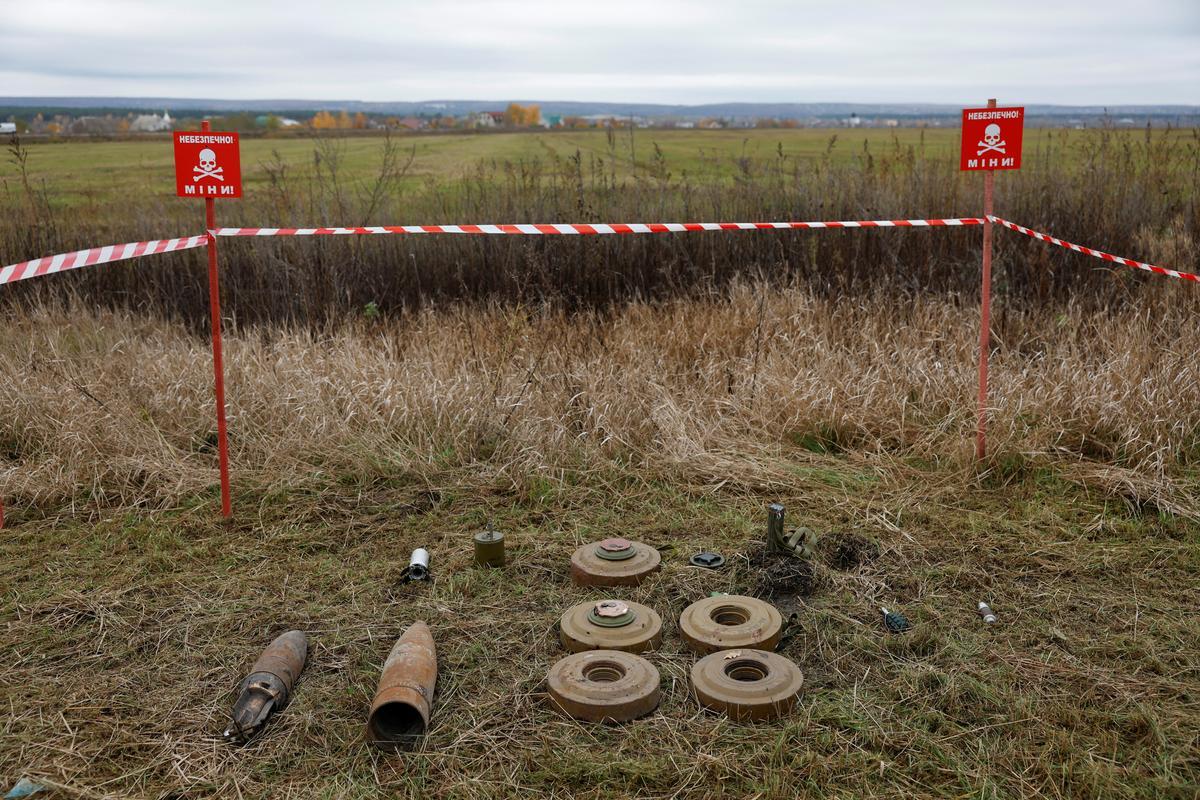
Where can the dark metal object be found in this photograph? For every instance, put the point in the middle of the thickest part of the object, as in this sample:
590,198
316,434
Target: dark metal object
402,704
895,622
489,549
707,560
267,688
791,628
775,528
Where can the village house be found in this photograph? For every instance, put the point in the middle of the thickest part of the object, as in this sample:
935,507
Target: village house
152,123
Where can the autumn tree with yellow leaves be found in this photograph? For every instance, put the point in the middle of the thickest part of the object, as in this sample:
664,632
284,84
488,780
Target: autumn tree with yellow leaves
518,116
326,121
323,121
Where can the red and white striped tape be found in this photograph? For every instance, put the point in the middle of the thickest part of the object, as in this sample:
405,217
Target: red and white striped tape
574,228
1078,248
96,255
120,252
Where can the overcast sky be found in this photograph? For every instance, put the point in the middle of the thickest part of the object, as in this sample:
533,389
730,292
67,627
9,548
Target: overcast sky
1020,51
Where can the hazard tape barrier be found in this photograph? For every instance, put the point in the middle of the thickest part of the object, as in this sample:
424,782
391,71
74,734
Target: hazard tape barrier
119,252
49,265
590,229
96,255
1078,248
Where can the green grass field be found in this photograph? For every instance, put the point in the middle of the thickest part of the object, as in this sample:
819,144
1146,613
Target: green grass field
111,169
77,172
119,687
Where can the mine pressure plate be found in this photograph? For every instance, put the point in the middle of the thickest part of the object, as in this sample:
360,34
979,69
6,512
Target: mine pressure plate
610,625
613,562
707,560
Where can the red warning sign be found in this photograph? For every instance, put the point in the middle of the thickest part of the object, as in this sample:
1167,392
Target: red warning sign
207,164
991,138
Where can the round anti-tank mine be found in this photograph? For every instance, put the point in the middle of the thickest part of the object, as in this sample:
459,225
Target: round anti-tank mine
747,684
730,621
603,686
613,562
610,625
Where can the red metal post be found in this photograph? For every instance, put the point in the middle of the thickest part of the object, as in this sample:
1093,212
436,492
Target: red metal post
985,315
214,303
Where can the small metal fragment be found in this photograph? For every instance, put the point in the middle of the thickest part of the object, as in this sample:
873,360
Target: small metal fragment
707,560
268,686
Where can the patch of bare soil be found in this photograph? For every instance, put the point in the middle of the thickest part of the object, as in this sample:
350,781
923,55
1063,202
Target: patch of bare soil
849,551
775,576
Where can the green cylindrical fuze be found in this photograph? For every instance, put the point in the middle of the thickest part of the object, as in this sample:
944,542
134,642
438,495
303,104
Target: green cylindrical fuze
489,549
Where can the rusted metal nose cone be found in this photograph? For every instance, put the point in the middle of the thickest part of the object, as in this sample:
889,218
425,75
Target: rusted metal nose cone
613,562
747,684
268,686
604,686
730,621
610,625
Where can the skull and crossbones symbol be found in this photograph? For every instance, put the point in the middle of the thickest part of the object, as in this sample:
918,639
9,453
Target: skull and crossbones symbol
991,140
208,167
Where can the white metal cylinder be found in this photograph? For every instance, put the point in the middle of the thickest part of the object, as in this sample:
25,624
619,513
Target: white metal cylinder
418,565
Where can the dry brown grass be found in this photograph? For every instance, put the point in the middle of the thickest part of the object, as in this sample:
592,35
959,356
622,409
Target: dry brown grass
113,408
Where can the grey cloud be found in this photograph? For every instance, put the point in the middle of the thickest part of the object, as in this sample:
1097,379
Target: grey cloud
673,51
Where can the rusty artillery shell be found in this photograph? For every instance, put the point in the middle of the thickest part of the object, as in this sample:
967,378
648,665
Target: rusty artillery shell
400,710
267,688
489,549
